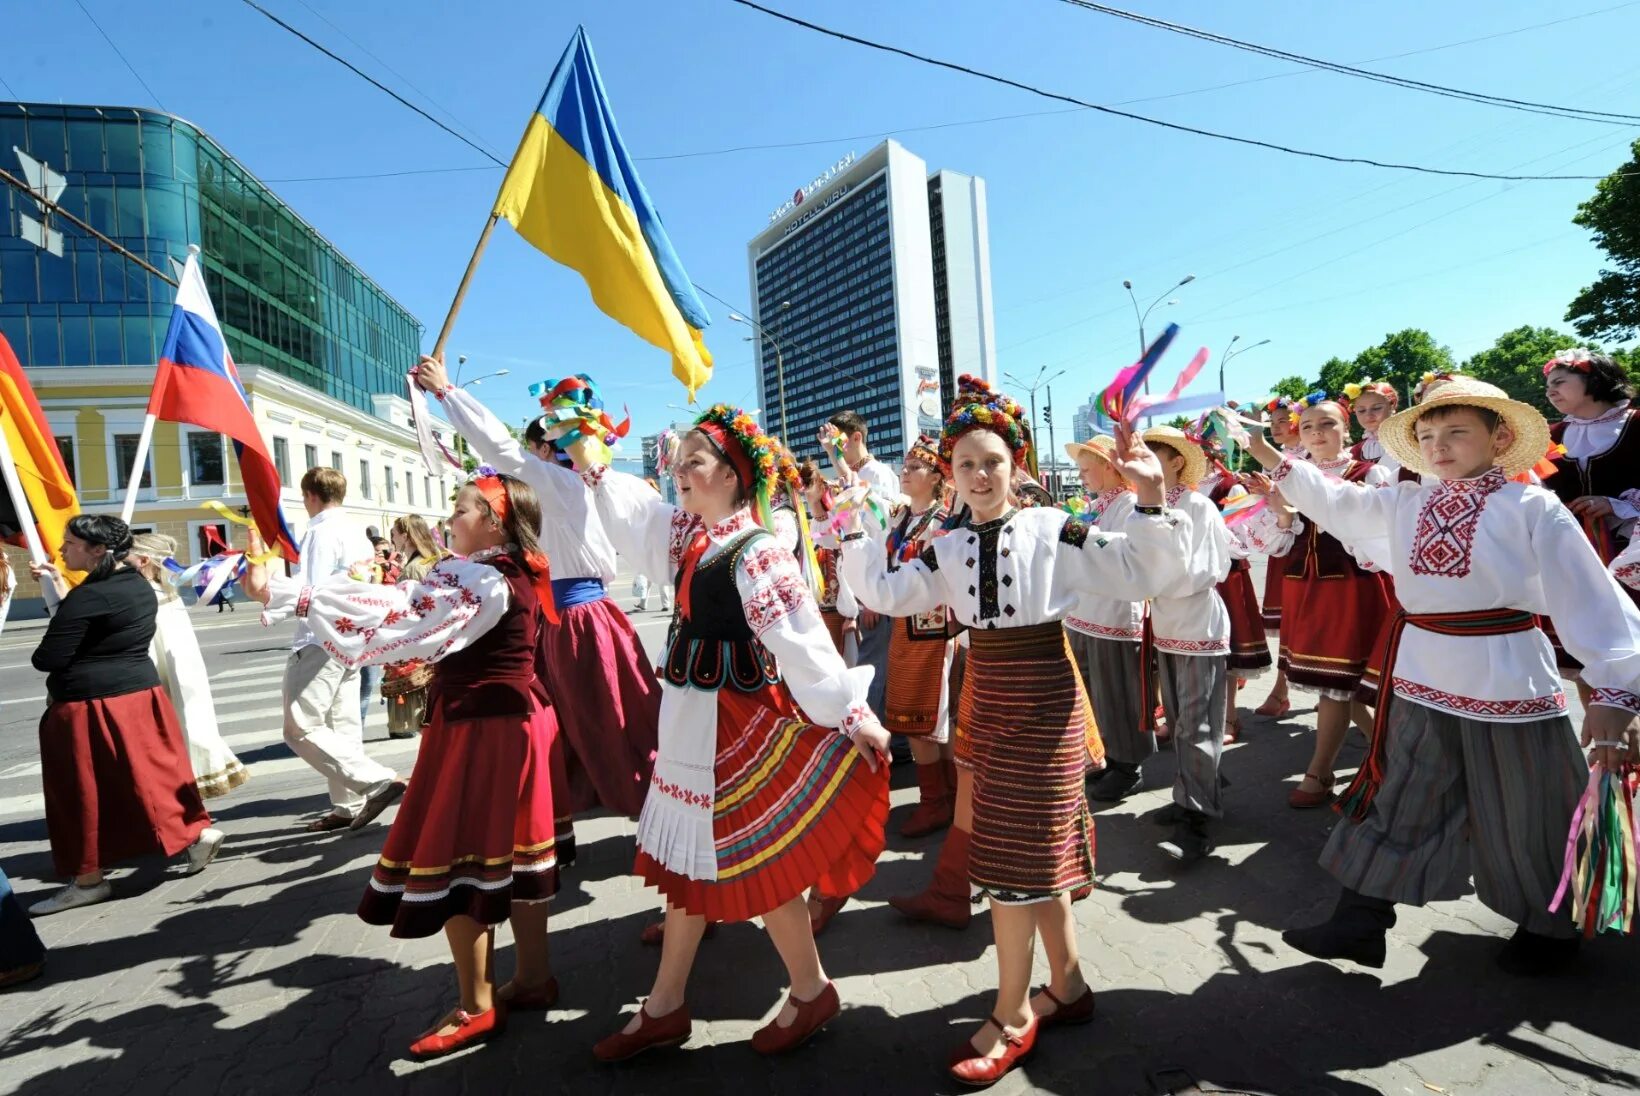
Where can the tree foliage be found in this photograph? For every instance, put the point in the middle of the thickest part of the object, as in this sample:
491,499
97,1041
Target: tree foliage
1402,359
1610,308
1515,363
1292,387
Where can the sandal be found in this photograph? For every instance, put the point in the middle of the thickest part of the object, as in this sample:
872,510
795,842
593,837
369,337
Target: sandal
326,823
1273,708
1301,800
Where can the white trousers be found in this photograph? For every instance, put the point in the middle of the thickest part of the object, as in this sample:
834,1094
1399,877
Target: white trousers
322,725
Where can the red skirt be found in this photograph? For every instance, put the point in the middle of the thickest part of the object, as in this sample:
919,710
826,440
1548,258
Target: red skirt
1274,586
1331,626
794,806
608,706
1249,645
474,833
912,702
118,782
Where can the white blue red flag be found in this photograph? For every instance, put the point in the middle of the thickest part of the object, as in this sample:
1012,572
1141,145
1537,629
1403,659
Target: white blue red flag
197,384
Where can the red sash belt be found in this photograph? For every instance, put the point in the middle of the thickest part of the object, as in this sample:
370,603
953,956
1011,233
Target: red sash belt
1147,670
1480,622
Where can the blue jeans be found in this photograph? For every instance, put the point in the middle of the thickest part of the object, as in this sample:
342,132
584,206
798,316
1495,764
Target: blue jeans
370,679
19,944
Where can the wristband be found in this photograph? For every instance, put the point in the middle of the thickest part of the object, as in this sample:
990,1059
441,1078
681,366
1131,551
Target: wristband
1151,511
858,534
1608,744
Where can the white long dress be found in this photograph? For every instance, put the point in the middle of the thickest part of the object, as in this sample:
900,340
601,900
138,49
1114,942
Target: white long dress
175,653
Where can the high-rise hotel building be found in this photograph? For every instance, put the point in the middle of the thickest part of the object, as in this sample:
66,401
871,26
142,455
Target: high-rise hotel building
872,292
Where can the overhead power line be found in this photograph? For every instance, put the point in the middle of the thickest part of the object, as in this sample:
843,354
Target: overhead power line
118,53
1179,127
1527,105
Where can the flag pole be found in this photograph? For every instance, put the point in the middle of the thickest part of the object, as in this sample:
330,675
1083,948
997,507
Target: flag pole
144,443
25,517
466,279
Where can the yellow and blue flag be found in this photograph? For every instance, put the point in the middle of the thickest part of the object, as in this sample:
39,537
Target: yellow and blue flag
573,192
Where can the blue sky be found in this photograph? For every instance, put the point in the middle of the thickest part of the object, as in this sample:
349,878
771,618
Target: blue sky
1322,259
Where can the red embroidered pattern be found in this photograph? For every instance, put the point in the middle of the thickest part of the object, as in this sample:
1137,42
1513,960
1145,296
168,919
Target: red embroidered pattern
856,718
593,475
1104,631
776,598
1282,470
1628,574
681,794
1194,646
682,531
764,558
1616,698
1445,538
303,601
1537,707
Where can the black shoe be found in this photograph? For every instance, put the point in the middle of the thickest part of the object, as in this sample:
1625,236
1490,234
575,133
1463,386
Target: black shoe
1170,815
1189,841
1355,931
1114,783
1533,955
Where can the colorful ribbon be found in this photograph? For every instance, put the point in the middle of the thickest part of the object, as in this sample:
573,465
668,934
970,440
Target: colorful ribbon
1129,381
434,453
226,514
1171,403
1243,508
1599,872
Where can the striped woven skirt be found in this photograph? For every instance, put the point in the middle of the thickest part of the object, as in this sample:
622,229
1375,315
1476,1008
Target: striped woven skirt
913,700
793,806
1025,721
1249,646
474,832
1274,577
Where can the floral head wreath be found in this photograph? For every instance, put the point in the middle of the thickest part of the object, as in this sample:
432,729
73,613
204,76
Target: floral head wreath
978,406
927,450
765,468
575,400
1427,381
1316,399
1578,359
1353,392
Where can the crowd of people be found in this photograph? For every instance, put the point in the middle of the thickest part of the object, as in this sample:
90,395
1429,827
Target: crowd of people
1435,582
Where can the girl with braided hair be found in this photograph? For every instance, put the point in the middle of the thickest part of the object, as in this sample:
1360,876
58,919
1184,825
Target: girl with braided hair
772,774
1011,576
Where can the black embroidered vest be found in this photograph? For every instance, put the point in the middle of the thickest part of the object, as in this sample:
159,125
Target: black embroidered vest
715,647
1319,554
1608,474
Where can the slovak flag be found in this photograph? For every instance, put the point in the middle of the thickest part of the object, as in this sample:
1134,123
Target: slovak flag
196,383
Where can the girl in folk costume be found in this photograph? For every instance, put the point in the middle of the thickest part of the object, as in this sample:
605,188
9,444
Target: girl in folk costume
1282,416
1012,576
175,654
1474,766
601,682
404,684
753,800
1334,608
1371,402
1597,462
1107,634
1191,630
472,844
1249,644
920,648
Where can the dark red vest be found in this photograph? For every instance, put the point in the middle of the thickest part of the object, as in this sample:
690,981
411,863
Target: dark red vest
1318,554
498,672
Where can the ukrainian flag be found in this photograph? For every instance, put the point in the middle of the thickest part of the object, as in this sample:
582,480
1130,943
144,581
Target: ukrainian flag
573,192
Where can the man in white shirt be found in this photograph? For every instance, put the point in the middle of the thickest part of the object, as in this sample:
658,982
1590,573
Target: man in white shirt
321,696
873,629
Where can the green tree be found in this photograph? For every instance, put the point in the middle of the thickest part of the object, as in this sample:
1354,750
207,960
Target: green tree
1402,358
1291,387
1610,308
1515,363
1335,374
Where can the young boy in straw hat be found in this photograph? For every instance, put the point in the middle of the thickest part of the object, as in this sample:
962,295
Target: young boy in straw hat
1192,634
1446,791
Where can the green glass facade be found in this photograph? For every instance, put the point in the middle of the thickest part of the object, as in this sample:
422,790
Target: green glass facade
287,299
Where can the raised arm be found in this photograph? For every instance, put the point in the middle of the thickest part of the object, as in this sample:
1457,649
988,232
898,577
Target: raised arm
488,435
647,531
915,587
1146,556
362,623
1354,514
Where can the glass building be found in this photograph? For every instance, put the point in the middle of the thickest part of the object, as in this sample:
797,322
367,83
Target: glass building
286,298
872,290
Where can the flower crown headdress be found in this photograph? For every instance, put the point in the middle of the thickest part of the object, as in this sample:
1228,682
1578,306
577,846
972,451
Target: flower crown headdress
927,450
1316,399
978,406
1354,391
1428,381
575,400
1578,359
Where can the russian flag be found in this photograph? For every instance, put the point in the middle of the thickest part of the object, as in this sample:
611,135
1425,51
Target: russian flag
197,384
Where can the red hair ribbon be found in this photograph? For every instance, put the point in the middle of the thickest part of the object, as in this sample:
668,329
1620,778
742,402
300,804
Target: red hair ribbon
540,568
731,449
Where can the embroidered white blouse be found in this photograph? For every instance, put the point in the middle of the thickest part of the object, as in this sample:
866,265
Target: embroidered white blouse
1263,535
571,534
1189,617
1026,567
1098,614
368,624
1373,452
1487,543
675,827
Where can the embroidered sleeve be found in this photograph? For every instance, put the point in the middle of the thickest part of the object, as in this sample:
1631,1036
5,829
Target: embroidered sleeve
1348,511
1593,616
1626,506
784,617
364,623
1626,567
911,588
1141,558
649,533
491,440
1283,470
1616,698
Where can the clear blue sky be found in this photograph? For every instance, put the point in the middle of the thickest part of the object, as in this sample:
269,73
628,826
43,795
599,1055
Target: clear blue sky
1322,259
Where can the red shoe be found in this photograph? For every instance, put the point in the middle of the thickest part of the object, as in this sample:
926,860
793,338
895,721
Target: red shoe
471,1029
666,1031
1159,717
812,1015
937,805
1232,732
1274,708
1303,801
946,900
828,910
979,1072
654,933
1079,1011
522,999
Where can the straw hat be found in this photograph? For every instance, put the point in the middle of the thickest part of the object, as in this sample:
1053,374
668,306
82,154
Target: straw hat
1102,446
1195,461
1528,425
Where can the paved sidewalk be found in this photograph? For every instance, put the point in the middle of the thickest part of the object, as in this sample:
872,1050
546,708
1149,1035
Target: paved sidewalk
256,977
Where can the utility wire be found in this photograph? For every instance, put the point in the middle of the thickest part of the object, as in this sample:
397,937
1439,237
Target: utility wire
7,86
92,19
1527,105
1131,116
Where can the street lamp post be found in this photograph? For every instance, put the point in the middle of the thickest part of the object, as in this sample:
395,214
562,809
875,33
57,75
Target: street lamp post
485,377
1144,343
779,363
1031,388
1231,353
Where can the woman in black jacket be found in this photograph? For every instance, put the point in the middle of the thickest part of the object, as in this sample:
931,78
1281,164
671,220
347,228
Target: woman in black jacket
113,758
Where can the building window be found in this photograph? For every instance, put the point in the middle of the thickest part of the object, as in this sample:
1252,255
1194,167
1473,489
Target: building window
336,460
65,446
213,539
364,478
310,454
409,490
205,464
125,455
392,486
281,459
427,491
